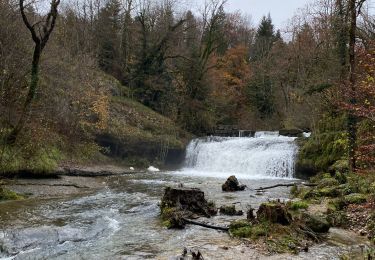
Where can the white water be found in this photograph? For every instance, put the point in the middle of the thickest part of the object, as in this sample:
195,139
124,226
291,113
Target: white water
267,155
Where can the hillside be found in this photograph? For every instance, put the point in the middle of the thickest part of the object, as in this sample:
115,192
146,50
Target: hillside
103,126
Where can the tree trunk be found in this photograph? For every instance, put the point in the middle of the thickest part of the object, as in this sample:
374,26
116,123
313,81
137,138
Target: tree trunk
352,119
30,95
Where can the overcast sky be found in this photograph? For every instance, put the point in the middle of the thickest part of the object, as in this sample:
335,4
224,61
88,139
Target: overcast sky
280,10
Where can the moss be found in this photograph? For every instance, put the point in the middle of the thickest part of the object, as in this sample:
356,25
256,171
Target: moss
341,166
355,198
329,192
6,194
39,159
284,244
326,146
296,205
341,177
171,218
316,223
337,218
319,177
239,224
245,229
261,230
242,232
372,188
337,204
327,182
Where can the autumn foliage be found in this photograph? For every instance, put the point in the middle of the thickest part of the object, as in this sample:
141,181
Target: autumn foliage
364,106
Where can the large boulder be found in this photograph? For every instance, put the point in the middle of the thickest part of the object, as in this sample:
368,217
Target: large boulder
316,223
274,212
232,185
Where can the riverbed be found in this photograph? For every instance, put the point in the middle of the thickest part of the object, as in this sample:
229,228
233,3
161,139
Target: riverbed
121,221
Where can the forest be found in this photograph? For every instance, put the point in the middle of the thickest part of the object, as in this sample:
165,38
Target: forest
109,118
198,69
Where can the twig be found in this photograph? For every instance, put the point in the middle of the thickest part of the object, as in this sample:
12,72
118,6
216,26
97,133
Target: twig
192,222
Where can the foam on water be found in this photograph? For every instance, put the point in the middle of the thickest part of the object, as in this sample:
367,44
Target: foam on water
267,155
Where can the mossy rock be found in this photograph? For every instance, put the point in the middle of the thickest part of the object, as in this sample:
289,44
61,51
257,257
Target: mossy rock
341,166
341,177
230,211
6,194
316,223
337,204
319,177
337,218
347,189
331,192
355,198
328,182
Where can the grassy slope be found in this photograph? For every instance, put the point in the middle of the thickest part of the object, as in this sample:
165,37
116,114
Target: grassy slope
134,133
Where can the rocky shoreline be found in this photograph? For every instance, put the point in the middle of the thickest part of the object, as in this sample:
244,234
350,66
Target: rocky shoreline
65,181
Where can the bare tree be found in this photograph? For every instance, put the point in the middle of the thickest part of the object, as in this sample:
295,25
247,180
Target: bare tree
40,33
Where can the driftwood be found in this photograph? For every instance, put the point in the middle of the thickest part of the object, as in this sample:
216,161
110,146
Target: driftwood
192,222
286,185
50,185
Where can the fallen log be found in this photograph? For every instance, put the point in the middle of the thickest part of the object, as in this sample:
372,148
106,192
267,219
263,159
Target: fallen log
192,222
286,185
50,185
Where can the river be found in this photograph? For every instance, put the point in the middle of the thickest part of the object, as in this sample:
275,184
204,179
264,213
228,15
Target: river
121,220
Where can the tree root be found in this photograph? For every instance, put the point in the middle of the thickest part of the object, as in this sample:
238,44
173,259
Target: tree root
192,222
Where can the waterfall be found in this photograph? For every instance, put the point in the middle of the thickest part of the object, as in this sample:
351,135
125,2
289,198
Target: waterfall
267,155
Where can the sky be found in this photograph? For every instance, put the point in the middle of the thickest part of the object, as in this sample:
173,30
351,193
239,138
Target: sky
281,10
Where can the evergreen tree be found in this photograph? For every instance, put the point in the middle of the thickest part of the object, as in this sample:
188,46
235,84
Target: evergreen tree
264,38
260,91
108,29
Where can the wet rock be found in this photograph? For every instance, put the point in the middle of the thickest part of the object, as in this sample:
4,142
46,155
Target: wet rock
230,211
315,223
275,212
232,185
291,132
